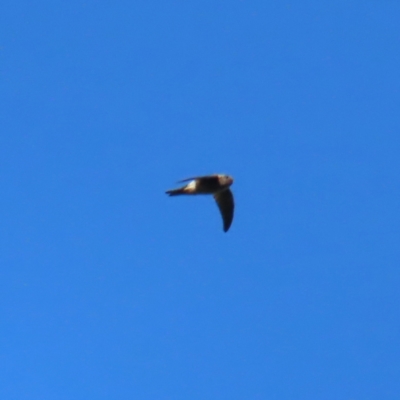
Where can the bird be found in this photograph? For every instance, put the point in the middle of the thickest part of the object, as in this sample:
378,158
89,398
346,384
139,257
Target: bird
215,184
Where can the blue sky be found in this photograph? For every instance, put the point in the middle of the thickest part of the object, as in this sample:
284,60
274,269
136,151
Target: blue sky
110,289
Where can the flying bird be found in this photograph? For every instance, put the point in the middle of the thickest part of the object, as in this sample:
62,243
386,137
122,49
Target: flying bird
217,185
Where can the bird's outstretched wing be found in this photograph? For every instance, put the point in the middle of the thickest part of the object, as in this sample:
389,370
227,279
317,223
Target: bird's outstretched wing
198,177
226,206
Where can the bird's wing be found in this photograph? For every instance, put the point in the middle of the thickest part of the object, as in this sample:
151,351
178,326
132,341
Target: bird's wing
198,177
226,206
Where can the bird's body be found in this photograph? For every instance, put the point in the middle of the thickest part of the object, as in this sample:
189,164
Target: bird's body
217,185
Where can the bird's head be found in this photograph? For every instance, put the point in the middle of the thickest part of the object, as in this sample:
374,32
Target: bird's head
225,180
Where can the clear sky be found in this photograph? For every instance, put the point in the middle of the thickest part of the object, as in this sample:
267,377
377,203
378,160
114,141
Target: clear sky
109,289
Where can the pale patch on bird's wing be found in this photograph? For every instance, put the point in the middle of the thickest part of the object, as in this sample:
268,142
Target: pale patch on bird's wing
226,206
191,187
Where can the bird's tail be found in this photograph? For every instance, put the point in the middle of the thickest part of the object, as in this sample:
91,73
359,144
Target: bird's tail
176,192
